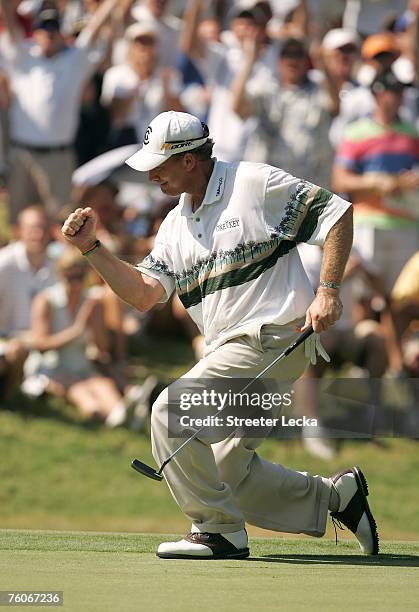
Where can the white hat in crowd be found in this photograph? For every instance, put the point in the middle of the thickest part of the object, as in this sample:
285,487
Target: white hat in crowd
340,37
141,28
169,133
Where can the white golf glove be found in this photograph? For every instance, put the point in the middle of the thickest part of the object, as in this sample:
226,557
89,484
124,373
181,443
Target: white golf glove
314,347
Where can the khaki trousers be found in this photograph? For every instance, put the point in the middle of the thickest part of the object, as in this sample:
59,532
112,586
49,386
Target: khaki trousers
220,486
39,178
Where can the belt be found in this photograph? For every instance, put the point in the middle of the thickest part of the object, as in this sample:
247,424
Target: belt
41,149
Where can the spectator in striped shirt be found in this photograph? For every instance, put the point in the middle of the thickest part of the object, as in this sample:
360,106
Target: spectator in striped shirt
377,165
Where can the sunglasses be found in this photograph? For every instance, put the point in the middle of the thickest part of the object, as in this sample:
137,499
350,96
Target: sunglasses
384,55
347,49
297,54
145,40
74,277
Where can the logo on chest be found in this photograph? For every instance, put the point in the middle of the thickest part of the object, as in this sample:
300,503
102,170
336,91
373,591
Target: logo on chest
228,225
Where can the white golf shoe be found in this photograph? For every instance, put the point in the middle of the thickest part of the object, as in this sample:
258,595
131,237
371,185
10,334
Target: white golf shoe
354,511
197,545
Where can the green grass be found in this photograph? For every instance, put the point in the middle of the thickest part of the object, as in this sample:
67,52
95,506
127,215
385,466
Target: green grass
58,473
121,572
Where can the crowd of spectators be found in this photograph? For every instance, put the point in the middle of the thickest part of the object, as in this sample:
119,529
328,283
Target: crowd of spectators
328,91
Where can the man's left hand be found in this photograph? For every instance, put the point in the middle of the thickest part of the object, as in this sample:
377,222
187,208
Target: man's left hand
324,311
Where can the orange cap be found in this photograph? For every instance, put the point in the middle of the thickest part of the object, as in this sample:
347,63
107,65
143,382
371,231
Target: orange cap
384,42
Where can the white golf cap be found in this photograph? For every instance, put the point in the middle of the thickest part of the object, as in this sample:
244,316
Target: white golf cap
169,133
340,37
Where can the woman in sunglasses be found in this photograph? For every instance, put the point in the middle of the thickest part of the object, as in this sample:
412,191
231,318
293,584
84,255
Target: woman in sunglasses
65,319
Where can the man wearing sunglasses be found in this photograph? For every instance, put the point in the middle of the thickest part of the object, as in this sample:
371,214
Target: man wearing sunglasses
47,77
294,115
377,166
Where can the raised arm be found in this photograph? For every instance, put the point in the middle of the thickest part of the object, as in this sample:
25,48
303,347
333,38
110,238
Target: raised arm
10,19
137,289
326,308
239,103
329,83
99,18
346,181
188,40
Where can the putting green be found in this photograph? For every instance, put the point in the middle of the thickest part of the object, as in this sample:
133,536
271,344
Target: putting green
120,572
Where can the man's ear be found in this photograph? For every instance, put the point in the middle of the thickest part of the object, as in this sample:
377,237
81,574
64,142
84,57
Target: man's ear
189,162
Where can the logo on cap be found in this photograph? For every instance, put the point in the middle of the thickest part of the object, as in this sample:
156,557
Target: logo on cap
147,134
177,145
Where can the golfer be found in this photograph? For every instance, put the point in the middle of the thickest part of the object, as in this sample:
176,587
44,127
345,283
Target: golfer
229,251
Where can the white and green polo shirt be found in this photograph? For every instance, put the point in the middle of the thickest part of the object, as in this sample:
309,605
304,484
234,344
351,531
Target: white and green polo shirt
234,262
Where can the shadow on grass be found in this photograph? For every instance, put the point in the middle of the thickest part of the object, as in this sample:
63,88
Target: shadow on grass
47,407
384,560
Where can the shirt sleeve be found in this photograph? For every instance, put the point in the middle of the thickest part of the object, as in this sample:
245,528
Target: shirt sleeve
299,211
159,263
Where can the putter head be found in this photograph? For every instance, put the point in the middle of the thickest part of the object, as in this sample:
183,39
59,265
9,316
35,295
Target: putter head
146,470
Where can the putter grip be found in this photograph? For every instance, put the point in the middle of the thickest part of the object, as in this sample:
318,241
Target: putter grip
301,338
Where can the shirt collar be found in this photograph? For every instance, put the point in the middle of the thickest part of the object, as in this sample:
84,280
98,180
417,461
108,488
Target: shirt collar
213,193
22,260
24,265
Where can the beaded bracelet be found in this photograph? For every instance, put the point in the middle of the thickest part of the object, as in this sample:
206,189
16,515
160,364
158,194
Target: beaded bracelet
95,246
329,285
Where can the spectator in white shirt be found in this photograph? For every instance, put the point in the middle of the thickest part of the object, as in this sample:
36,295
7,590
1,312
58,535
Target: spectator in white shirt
294,115
47,79
135,90
200,57
25,270
168,28
231,132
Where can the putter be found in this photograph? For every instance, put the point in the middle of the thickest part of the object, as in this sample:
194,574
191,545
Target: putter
150,472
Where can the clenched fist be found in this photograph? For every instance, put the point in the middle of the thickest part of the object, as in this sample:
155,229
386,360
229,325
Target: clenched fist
80,228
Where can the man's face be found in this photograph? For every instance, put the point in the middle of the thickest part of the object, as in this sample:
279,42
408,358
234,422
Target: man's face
102,200
245,28
390,101
34,232
156,7
172,176
342,60
49,40
209,30
383,61
143,50
293,64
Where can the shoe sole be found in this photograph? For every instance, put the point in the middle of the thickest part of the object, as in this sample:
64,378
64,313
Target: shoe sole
240,554
361,481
